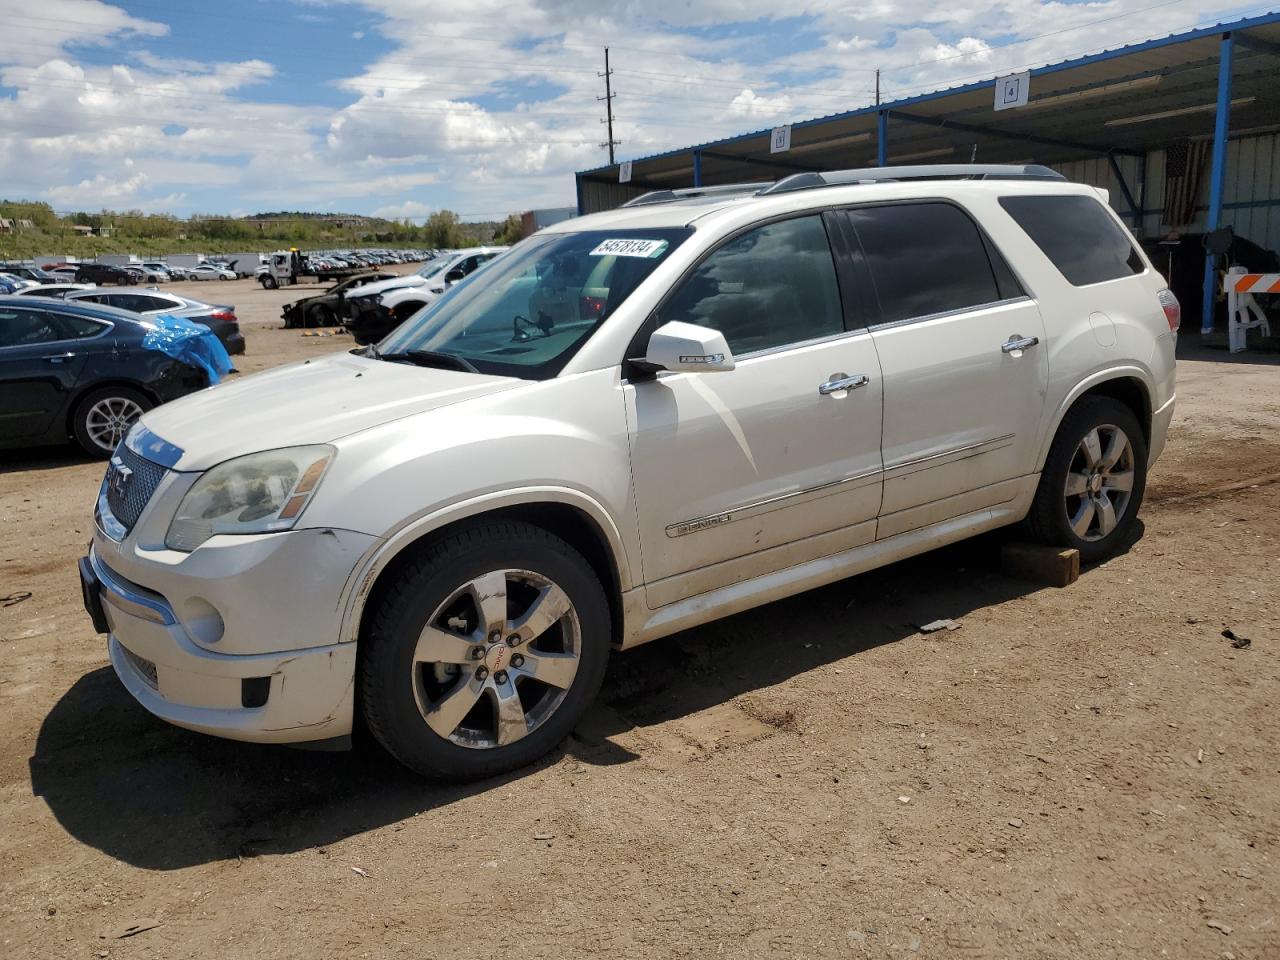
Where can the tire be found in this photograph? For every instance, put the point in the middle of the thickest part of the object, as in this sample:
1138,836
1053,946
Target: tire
321,315
105,414
440,589
269,282
1099,472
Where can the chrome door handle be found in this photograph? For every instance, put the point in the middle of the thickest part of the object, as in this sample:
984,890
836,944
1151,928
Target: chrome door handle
841,382
1016,344
59,358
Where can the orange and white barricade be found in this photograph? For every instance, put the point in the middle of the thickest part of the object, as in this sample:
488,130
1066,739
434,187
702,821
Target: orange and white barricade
1243,312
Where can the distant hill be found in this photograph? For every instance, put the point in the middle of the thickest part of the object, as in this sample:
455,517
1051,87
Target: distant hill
33,229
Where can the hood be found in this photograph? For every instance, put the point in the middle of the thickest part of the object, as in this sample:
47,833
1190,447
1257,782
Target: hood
381,286
315,401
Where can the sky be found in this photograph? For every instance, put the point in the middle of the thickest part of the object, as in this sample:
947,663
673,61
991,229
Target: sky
399,108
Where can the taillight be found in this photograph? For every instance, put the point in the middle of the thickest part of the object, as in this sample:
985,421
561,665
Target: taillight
591,308
1172,309
224,315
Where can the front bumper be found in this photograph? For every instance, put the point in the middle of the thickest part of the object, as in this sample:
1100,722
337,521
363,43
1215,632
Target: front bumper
297,696
1160,420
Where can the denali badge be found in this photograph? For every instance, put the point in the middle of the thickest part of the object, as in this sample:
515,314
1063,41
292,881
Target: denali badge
693,526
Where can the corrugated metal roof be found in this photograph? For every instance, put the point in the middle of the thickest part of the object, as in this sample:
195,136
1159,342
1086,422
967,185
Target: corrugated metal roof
1123,100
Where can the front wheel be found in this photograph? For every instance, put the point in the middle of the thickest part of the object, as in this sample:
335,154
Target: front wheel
485,652
1093,480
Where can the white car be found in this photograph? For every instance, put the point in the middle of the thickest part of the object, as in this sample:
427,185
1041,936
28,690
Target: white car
431,280
705,402
206,271
155,271
18,283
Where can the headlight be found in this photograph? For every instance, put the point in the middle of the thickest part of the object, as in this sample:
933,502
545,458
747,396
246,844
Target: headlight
260,493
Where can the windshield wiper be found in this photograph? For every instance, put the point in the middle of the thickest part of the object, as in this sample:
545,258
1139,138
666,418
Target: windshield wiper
429,358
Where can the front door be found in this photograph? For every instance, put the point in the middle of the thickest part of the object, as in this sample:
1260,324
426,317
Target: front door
964,360
744,472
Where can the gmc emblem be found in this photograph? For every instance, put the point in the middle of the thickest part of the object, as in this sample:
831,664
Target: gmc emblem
118,479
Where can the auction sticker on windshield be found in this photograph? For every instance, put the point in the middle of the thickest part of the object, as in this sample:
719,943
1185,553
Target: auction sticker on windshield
645,249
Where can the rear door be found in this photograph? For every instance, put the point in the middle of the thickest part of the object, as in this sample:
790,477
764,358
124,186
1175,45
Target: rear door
39,366
962,351
744,472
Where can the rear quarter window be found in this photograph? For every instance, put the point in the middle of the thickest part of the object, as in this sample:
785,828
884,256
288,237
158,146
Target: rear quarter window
1078,235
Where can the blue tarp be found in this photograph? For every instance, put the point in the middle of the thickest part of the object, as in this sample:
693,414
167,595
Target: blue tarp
190,342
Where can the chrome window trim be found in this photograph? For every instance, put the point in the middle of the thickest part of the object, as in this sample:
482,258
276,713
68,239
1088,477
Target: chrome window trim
944,314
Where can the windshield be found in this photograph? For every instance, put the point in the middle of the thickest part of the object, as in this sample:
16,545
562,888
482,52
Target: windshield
527,312
438,265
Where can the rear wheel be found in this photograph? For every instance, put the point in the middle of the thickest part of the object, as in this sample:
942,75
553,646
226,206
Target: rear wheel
104,416
1093,480
485,652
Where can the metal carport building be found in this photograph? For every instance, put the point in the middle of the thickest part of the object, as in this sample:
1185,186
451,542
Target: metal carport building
1195,113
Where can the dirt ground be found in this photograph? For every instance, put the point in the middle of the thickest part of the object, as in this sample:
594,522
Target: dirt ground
1076,773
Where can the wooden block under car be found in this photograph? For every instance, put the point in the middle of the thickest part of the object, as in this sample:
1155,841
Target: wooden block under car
1052,566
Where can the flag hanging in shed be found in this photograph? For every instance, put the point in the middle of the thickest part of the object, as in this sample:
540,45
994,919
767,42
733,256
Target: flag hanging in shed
1183,171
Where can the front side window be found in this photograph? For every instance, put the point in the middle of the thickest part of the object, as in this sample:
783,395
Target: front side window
526,313
772,286
925,259
1084,241
26,328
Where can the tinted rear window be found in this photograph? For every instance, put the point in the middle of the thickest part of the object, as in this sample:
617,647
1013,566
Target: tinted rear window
925,259
1078,235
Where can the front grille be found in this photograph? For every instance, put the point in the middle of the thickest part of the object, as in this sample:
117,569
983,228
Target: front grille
146,669
130,482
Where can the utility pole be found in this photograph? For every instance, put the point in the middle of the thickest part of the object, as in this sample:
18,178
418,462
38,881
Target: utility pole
608,104
877,87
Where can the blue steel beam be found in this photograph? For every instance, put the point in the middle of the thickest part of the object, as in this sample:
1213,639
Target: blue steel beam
1217,175
882,138
1135,210
697,168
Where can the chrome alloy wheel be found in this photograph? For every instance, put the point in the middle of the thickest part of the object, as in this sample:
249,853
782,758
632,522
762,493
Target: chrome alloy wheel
1099,482
496,659
108,420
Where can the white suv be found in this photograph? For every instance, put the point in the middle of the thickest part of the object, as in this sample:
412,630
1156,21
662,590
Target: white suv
632,423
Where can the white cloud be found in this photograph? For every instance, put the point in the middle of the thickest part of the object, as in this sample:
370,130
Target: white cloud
748,104
483,107
410,208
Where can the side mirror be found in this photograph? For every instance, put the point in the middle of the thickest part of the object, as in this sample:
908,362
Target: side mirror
688,348
453,276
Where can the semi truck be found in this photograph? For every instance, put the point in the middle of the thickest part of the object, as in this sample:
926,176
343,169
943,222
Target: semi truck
287,267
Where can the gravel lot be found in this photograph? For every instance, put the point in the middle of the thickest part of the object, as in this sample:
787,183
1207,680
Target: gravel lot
1085,772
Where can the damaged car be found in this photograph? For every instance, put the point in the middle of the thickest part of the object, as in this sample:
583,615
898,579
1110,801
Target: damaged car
327,309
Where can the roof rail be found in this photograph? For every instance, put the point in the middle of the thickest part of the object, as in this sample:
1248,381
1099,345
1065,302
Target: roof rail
941,171
687,193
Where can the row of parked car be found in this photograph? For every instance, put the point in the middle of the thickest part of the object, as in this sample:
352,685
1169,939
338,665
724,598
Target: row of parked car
108,273
214,268
357,259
